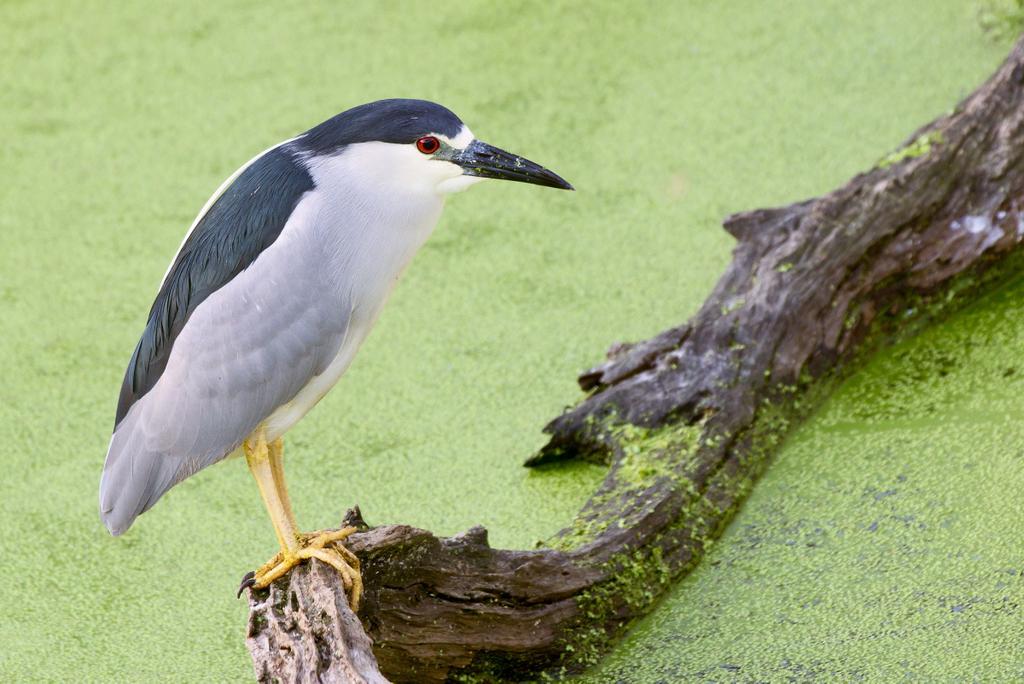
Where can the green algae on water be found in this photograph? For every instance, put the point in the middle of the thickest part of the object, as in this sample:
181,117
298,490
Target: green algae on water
921,146
121,119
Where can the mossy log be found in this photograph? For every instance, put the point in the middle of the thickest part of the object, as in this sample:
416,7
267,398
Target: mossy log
688,419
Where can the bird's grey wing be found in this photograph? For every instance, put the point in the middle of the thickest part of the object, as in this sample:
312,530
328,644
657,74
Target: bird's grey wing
206,372
244,220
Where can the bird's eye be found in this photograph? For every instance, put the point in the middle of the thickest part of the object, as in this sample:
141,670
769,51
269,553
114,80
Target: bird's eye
428,144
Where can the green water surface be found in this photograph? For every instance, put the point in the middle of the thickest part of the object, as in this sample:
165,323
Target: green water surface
119,119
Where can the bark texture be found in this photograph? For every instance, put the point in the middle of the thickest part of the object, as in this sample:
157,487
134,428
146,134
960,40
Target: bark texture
688,419
304,631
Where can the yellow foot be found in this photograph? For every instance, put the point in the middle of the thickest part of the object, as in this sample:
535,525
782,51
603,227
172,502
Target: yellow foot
313,545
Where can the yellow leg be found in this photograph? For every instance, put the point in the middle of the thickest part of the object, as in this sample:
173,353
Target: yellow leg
266,462
275,450
258,457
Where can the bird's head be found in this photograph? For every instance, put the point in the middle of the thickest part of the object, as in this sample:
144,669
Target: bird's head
420,146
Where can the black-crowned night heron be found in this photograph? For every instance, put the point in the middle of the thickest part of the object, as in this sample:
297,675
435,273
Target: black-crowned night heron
277,283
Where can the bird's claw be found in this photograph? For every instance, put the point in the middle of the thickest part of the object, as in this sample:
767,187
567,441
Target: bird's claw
325,547
248,580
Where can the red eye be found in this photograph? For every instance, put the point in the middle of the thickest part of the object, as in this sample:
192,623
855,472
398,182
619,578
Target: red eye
428,144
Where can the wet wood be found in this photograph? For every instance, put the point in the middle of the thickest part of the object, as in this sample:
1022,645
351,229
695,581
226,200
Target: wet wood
687,420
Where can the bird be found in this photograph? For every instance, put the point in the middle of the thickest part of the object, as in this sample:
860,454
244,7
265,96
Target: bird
273,290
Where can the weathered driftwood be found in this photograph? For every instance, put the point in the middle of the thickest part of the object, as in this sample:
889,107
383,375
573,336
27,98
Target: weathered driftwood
304,631
687,420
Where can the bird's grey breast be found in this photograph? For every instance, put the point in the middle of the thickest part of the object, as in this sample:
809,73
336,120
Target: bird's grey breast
365,235
370,231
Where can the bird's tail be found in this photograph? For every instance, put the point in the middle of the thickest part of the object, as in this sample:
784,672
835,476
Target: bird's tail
134,477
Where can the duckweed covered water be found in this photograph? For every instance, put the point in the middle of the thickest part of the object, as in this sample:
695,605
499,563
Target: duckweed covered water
119,121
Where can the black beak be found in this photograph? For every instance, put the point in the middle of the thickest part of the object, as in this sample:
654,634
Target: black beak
480,159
